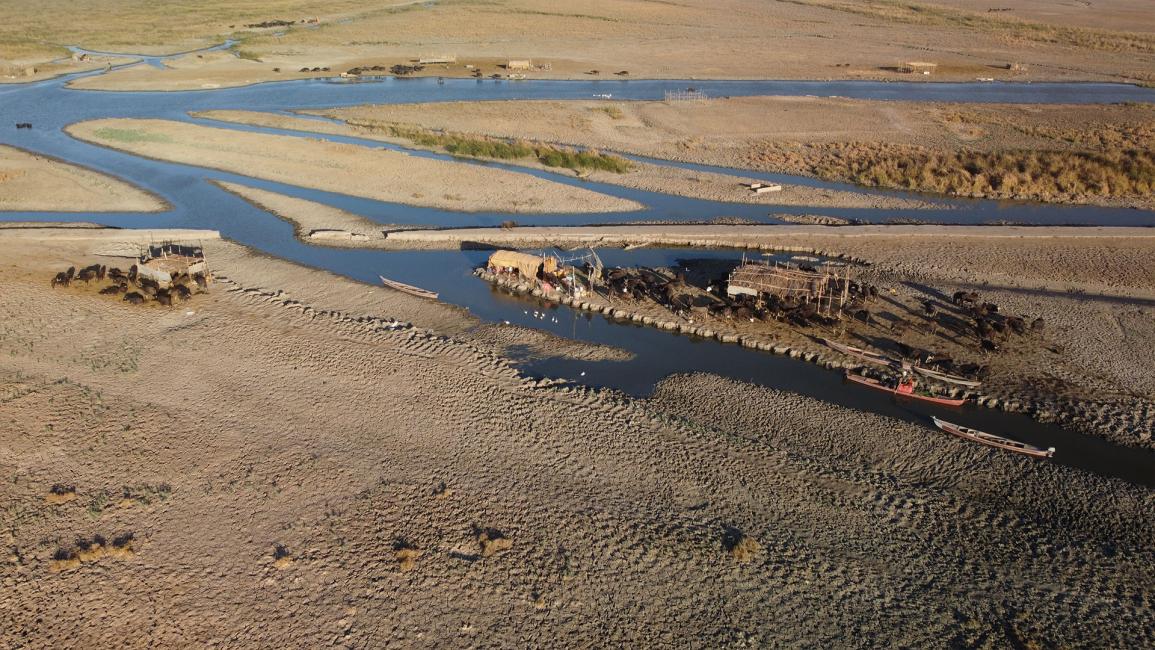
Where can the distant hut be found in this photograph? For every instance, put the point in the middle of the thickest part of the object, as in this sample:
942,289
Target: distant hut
918,67
526,265
519,64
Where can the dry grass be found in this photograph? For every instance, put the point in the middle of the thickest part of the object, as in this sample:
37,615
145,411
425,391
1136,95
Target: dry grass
406,555
1046,175
914,13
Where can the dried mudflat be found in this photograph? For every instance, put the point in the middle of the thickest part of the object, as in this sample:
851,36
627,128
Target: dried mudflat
348,169
32,182
290,473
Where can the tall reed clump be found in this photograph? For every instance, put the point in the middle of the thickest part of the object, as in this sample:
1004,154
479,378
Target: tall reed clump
460,144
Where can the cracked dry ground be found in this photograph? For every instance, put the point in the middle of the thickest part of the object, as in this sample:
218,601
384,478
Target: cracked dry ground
296,475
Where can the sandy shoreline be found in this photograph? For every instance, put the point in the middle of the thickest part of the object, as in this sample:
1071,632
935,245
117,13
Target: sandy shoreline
348,169
34,182
247,515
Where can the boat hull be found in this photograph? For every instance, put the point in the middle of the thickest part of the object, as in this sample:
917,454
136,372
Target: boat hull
991,440
877,385
862,355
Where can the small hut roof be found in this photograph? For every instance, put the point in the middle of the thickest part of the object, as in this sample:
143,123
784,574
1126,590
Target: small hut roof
526,264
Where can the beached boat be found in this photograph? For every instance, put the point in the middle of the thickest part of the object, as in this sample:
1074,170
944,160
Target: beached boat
947,377
408,288
878,385
864,355
991,440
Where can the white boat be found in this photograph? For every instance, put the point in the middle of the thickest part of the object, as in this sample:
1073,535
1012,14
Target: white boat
408,288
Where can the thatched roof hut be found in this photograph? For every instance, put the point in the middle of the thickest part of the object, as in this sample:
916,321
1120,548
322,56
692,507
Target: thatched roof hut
528,266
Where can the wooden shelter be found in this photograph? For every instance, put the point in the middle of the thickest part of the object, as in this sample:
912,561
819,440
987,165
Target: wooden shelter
823,287
161,263
527,266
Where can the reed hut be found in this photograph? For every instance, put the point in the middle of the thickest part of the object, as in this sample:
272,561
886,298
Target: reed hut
527,266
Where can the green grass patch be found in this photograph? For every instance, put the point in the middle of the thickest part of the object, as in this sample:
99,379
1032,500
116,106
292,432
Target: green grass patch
481,147
130,135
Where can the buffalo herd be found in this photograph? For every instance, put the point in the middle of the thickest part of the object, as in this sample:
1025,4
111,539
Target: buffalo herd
135,288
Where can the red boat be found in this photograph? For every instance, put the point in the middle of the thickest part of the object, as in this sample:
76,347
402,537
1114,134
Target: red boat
904,389
991,440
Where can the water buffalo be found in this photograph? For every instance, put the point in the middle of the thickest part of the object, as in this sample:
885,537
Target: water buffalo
965,298
134,298
61,278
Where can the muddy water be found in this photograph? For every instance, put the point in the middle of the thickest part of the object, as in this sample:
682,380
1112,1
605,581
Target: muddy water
198,204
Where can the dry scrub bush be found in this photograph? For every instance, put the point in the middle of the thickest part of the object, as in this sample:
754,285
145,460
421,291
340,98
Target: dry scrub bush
281,557
493,541
90,550
1037,175
740,546
59,494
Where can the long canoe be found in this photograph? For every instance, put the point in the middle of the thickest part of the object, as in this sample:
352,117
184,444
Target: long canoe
947,377
408,288
864,355
991,440
878,385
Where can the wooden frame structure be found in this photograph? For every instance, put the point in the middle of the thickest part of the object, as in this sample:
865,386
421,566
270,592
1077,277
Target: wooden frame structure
824,287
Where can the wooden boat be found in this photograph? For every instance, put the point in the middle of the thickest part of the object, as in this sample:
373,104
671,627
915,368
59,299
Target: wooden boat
408,288
864,355
991,440
947,377
878,385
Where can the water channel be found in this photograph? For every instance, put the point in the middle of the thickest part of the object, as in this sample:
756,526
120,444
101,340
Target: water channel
197,203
